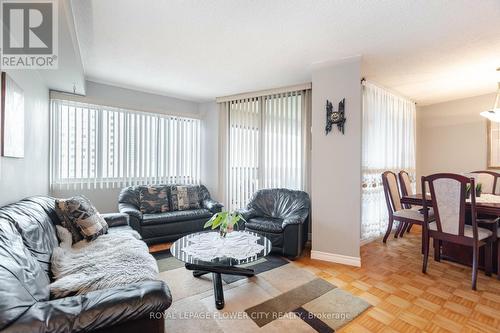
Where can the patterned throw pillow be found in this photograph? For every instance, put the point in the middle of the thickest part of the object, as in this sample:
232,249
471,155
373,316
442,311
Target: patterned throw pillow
76,236
80,217
185,197
153,199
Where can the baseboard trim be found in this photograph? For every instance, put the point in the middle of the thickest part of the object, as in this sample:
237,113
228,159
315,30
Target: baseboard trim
336,258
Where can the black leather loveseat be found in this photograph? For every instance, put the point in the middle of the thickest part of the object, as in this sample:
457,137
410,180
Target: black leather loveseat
171,225
27,240
282,216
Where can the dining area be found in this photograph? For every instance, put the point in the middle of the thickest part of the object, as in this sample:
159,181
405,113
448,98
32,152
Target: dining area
458,215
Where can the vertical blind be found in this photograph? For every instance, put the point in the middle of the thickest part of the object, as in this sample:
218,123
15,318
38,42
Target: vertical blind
389,123
267,144
96,146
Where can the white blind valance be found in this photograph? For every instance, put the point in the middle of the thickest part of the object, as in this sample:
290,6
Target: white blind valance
268,92
95,146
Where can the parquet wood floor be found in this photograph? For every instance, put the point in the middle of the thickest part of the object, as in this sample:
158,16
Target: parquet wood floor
404,299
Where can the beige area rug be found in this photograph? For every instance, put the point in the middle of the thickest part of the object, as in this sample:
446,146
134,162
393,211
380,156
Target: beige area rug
285,299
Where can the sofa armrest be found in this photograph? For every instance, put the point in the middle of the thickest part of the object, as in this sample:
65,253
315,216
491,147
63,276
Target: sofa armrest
247,213
95,310
212,205
116,219
135,215
294,219
130,210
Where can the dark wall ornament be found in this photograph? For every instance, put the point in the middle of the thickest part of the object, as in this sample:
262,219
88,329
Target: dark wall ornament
335,117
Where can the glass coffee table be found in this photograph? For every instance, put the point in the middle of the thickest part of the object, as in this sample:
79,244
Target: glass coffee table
207,252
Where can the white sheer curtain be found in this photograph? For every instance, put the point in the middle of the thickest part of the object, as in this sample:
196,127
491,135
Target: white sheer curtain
264,144
389,126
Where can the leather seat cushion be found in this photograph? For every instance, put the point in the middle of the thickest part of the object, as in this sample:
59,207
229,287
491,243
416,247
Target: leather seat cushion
265,224
175,216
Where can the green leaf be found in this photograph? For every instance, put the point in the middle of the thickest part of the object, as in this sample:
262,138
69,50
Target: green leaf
211,221
218,221
234,220
223,219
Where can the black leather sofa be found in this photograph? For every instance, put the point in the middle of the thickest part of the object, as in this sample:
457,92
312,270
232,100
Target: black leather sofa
27,239
168,226
282,216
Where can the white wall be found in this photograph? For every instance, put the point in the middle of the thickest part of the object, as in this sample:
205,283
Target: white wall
210,142
451,136
69,71
336,164
106,200
22,177
104,94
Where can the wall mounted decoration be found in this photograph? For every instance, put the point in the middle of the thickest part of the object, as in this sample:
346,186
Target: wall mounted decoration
335,117
12,112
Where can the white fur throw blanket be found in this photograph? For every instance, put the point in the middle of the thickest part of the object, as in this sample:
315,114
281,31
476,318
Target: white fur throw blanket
111,260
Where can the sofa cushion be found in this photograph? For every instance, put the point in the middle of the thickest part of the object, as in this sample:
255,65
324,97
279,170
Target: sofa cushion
175,216
185,197
79,213
153,199
265,224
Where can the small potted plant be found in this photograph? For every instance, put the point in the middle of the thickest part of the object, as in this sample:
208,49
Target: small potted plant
479,188
477,192
225,221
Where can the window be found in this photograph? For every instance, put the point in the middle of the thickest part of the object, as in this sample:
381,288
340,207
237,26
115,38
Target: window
267,144
96,146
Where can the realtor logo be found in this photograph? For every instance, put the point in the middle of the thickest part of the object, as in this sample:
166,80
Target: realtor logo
29,34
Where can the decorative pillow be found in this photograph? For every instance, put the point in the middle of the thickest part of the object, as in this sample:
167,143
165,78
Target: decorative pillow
185,197
80,217
76,236
153,199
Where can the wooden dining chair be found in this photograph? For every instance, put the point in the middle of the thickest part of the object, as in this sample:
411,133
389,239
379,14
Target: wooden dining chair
488,180
405,184
448,193
406,189
396,211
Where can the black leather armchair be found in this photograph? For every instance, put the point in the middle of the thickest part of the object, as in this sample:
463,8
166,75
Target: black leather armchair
168,226
27,240
281,215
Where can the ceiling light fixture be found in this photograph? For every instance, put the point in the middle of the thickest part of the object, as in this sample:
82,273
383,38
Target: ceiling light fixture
493,114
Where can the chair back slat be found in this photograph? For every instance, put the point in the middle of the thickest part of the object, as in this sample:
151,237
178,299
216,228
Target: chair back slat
405,181
391,191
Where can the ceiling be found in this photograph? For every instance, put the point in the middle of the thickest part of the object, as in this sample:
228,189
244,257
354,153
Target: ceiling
430,51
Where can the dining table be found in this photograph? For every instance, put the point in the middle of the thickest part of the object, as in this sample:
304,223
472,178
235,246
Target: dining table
487,209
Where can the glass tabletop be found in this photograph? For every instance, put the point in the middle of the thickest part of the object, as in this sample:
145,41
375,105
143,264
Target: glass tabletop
181,249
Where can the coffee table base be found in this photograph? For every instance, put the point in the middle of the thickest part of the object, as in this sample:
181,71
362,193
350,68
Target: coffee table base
199,270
